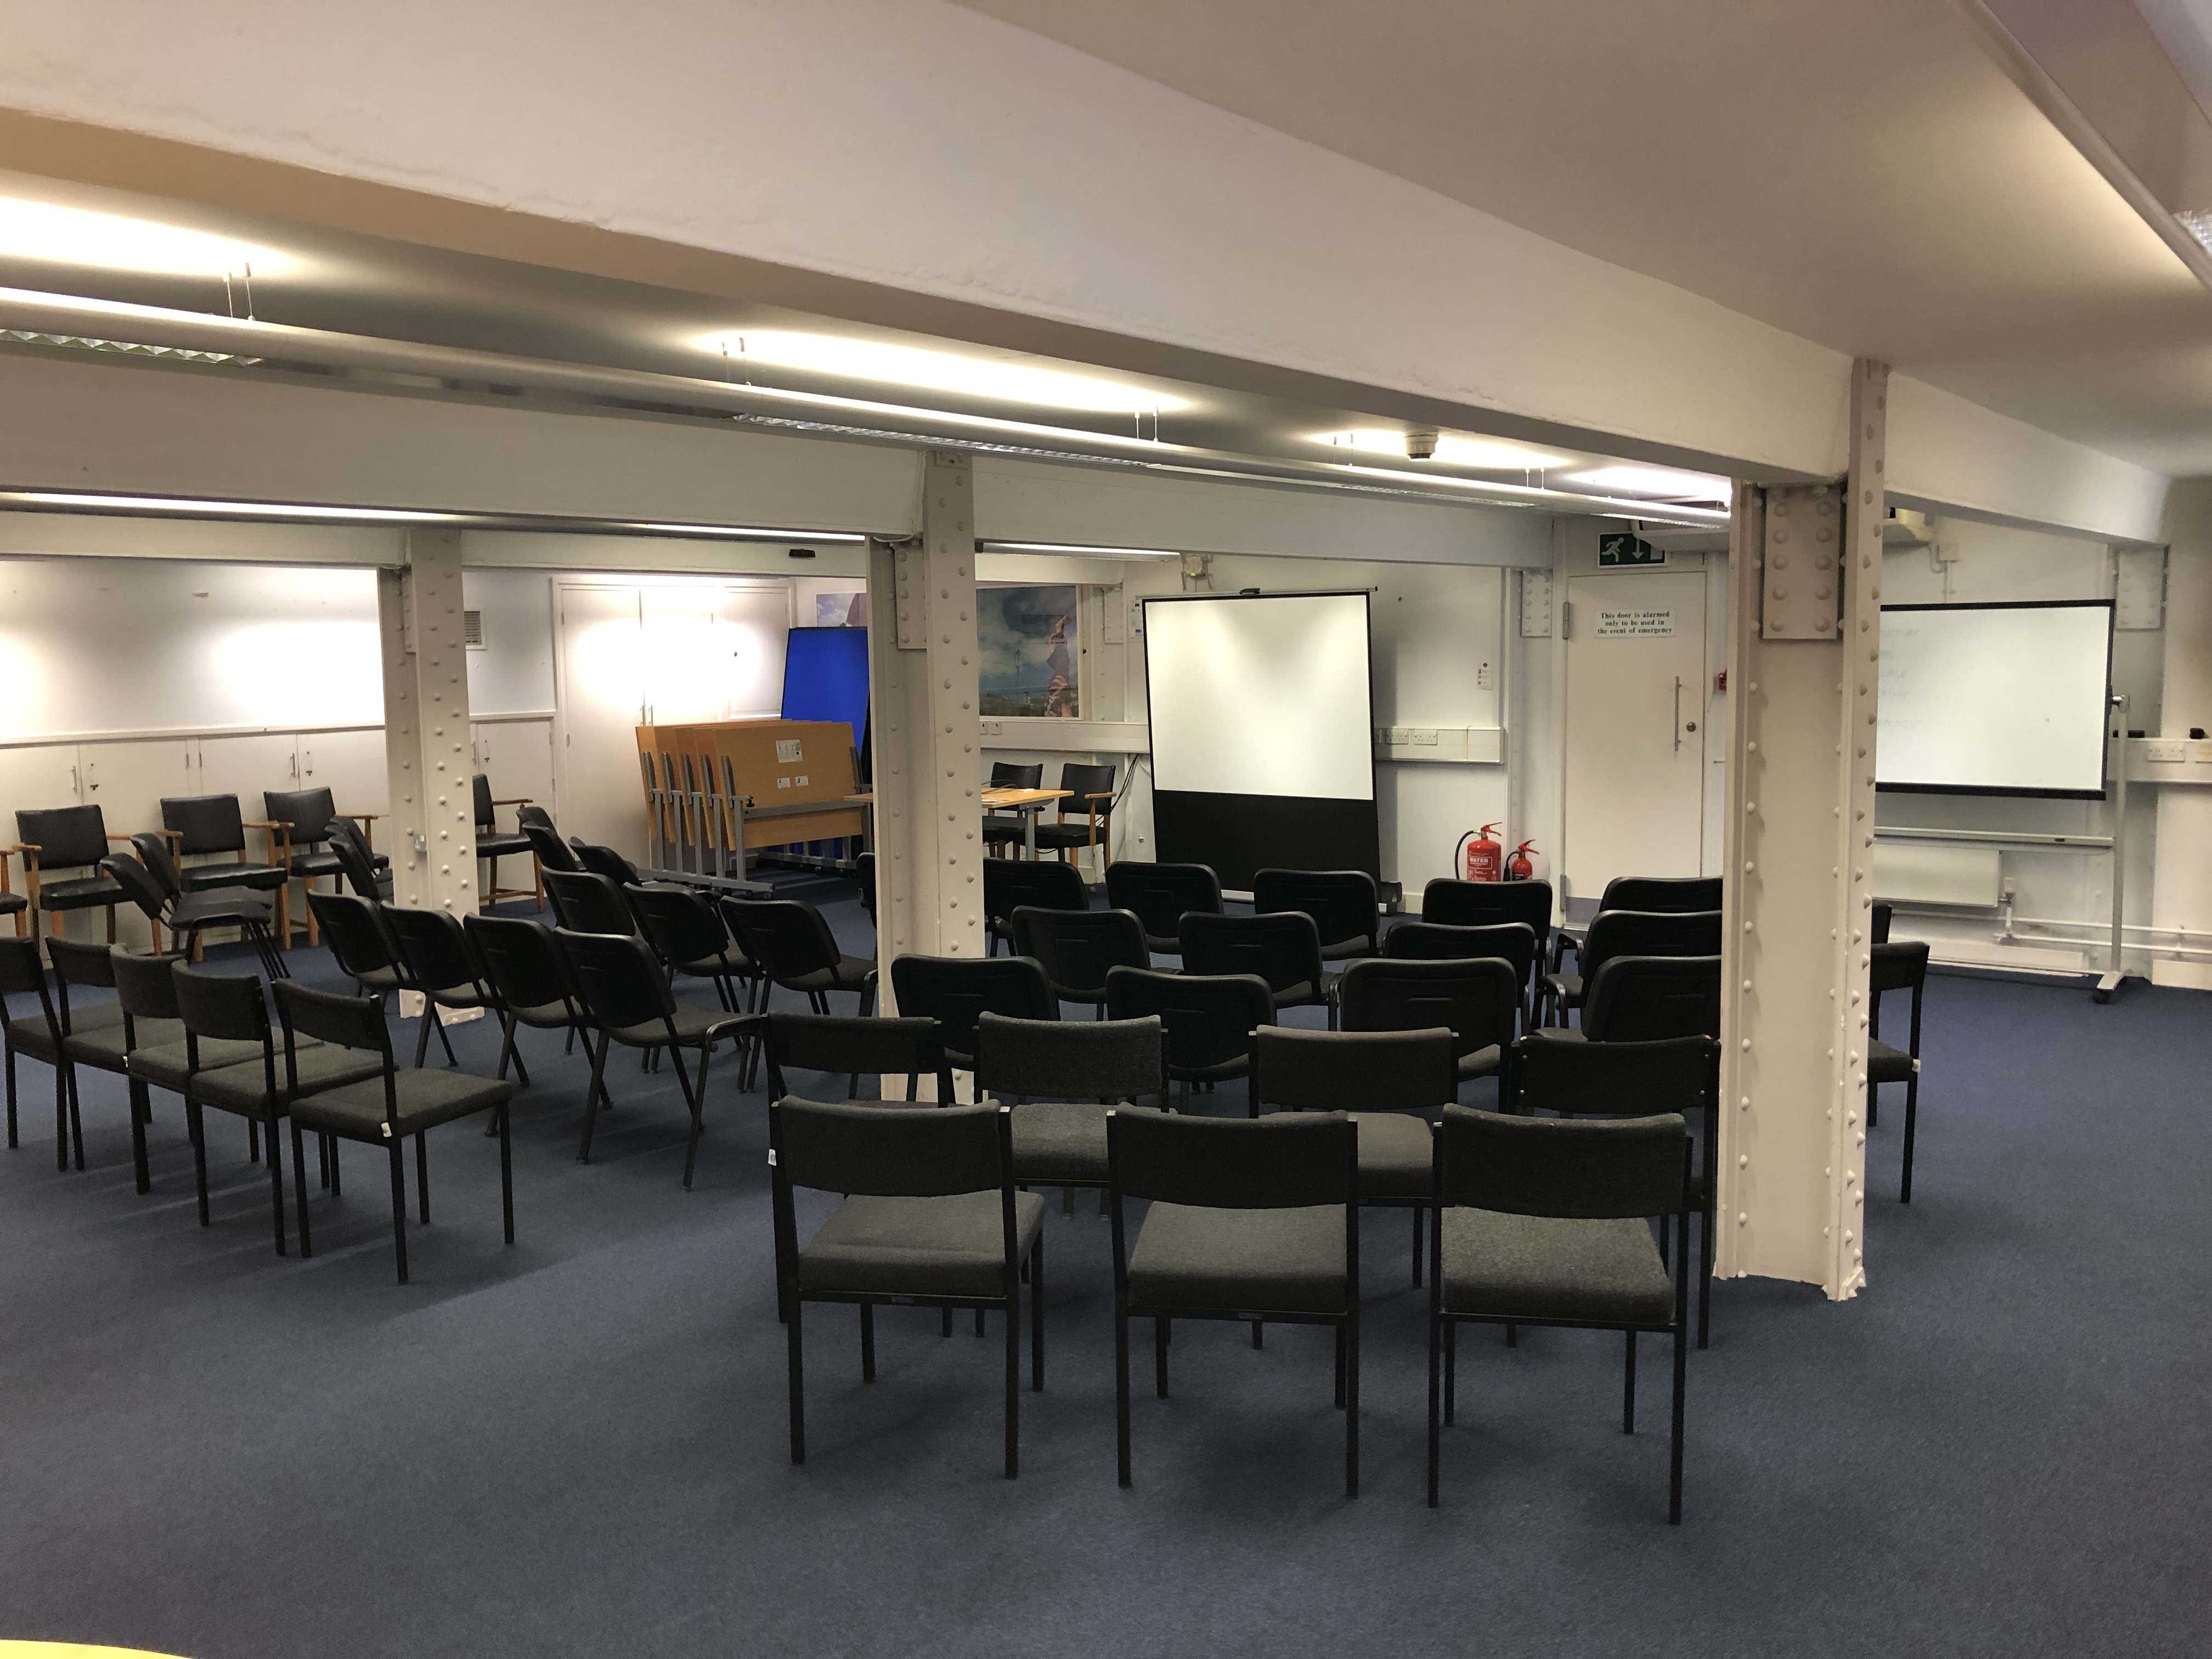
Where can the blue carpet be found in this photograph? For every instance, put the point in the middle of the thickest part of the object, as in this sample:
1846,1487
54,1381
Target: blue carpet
576,1446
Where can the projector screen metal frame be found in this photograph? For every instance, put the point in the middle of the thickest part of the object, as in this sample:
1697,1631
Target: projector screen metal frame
2016,792
1235,833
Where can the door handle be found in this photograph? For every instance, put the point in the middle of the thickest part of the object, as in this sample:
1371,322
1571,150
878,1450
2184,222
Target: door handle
1678,713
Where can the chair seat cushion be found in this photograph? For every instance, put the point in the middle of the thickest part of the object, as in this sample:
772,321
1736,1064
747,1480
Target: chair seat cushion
1483,1062
694,1025
1349,950
1063,1143
1568,987
166,1064
549,1015
1553,1267
460,996
242,1089
1264,1260
502,846
215,907
1888,1065
1396,1155
1002,828
1306,993
260,877
851,974
101,1047
31,1037
12,904
731,962
951,1246
424,1099
80,893
1076,832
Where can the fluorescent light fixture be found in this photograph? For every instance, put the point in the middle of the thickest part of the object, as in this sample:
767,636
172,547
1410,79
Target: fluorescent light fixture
1493,452
749,533
937,371
1603,506
1653,481
113,241
1079,550
219,509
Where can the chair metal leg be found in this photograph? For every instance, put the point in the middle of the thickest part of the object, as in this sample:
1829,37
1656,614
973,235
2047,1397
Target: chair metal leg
196,1126
10,1067
593,1094
1258,1333
300,1187
337,1185
506,1175
795,1374
253,1140
422,1176
1420,1210
947,1312
867,1342
1036,1315
423,1037
276,1184
140,1110
1451,1372
430,1013
1160,1357
1705,1277
1628,1389
1013,1387
1436,1405
978,1324
61,1117
1339,1401
696,1098
1121,1387
1674,1451
1351,1330
1911,1123
399,1209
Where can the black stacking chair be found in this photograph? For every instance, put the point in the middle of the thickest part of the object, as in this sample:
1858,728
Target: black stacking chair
230,1009
691,940
299,824
1884,913
957,991
850,1045
530,813
1547,1221
929,1217
208,826
1661,895
382,1109
368,874
1011,885
553,852
1648,999
1092,796
791,945
1488,903
149,881
628,1001
530,975
1385,1080
1249,1221
1283,949
1630,933
1479,1001
1065,1078
605,861
363,946
442,964
1902,966
999,829
1208,1020
585,902
57,839
1159,894
36,1032
97,1032
1511,941
1079,948
156,1054
1346,905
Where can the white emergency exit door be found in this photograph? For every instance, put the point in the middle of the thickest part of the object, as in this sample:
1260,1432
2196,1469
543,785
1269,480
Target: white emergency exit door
1636,716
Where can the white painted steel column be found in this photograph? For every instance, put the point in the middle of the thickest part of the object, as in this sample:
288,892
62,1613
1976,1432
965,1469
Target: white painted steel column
1805,652
922,678
431,831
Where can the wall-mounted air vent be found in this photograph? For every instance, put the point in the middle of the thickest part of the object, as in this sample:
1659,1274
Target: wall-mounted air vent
472,629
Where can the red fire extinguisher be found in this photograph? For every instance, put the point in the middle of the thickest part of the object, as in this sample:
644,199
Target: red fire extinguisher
1518,868
1484,854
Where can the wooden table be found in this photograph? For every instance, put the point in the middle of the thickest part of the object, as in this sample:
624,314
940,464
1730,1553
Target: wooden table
1028,802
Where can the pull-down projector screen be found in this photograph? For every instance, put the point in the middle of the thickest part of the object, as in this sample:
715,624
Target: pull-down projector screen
1261,731
1996,699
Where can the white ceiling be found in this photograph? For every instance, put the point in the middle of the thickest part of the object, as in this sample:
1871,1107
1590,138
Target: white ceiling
1865,174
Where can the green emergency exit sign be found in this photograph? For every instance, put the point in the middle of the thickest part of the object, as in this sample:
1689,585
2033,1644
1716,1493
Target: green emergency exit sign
1622,548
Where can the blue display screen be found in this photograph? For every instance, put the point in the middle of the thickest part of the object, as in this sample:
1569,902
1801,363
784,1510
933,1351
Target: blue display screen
825,677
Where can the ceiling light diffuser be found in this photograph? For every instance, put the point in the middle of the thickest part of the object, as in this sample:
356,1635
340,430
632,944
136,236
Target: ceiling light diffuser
225,509
1654,481
1494,454
749,533
113,241
937,371
1079,549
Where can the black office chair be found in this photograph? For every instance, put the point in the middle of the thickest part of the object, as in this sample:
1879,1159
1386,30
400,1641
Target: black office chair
382,1109
156,1054
1283,949
1159,894
999,829
1901,966
552,853
1011,884
530,974
957,991
928,1217
1091,794
1257,1222
1630,933
1546,1221
1209,1021
852,1046
1479,1001
1661,895
35,1033
96,1032
691,940
1650,999
299,822
149,881
1079,948
1385,1080
1346,905
442,964
55,839
1486,903
586,902
493,845
791,942
1511,941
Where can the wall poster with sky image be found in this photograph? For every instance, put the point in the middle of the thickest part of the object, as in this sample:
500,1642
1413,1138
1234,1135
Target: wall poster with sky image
1028,643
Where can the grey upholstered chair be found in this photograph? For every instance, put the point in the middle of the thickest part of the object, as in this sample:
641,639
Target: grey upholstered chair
1630,933
1065,1077
1478,998
97,1033
1283,949
1346,905
1079,948
30,1025
1209,1021
1159,894
850,1045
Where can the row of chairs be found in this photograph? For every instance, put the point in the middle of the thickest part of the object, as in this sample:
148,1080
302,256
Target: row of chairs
1090,791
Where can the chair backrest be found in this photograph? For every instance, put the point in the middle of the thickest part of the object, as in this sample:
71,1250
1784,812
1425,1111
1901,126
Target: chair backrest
355,934
154,853
1283,949
81,962
67,838
205,823
679,924
1902,966
1346,905
864,873
1040,883
1612,1079
957,991
1085,779
1645,999
553,852
788,938
585,902
530,812
1078,948
351,849
605,861
1648,933
863,1149
145,986
1158,894
437,949
846,1045
1478,999
22,974
620,982
524,962
1590,1169
487,815
1509,941
1070,1059
1884,913
1355,1071
328,1016
1208,1020
136,882
228,1006
308,812
1283,1163
1481,903
1006,775
1668,894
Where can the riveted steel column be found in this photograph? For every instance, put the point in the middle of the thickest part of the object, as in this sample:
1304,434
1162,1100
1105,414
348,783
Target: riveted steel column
922,675
1805,653
431,831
